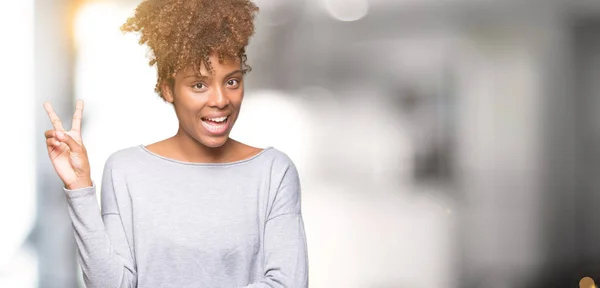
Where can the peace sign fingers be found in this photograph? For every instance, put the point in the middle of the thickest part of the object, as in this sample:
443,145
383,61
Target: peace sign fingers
66,151
76,126
53,117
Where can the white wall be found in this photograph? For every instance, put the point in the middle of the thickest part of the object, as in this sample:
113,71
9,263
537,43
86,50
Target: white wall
17,168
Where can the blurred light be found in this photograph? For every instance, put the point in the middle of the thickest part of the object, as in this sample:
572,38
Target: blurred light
347,10
107,56
17,203
22,272
274,118
97,23
322,102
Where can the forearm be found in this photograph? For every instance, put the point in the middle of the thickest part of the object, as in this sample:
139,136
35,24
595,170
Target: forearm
101,265
286,259
270,283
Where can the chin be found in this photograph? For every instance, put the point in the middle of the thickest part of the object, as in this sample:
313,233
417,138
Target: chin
214,142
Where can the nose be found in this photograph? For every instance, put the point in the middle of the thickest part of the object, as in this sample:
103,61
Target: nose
218,99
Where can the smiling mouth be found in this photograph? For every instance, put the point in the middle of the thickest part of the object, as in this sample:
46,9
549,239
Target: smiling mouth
215,126
217,120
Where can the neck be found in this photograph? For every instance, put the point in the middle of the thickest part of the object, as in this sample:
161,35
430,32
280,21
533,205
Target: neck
194,151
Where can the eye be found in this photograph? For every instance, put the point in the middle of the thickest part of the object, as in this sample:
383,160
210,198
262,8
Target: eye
233,82
199,86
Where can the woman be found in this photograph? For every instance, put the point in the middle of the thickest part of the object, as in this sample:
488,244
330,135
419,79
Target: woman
198,209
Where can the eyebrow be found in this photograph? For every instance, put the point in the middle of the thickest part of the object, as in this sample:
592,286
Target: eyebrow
233,72
204,76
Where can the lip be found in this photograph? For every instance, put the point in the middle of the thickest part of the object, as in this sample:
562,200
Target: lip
216,116
216,130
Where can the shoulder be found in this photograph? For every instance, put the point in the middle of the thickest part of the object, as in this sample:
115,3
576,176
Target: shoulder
125,156
277,158
280,163
284,193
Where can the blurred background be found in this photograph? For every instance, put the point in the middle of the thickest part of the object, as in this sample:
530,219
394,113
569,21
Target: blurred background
440,143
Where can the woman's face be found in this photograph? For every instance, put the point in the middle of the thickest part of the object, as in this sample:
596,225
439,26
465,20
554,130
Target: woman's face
208,106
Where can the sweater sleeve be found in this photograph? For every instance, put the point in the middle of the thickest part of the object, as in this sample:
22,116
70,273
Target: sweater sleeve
286,259
104,254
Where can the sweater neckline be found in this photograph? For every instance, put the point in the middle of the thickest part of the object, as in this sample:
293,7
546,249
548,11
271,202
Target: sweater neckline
143,148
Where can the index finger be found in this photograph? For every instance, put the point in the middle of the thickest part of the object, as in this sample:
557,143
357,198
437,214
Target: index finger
76,125
53,117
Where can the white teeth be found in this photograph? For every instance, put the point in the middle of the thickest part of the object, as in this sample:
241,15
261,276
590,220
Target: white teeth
219,119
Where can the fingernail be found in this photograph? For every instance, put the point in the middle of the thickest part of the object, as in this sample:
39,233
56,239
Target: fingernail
59,134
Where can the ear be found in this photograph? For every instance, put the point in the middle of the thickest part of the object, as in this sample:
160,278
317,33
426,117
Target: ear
166,88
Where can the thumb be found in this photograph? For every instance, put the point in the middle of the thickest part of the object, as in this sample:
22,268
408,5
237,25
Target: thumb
67,139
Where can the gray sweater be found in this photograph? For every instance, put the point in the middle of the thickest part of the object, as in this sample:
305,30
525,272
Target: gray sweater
167,223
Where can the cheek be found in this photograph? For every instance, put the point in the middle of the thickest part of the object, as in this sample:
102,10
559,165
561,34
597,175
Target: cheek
187,106
188,100
237,97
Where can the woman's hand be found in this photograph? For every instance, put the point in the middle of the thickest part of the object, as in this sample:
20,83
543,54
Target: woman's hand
66,150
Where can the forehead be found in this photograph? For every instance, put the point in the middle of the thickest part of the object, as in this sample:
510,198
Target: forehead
224,64
219,66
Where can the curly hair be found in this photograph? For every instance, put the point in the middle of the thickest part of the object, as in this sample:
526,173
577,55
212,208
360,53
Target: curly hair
181,33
